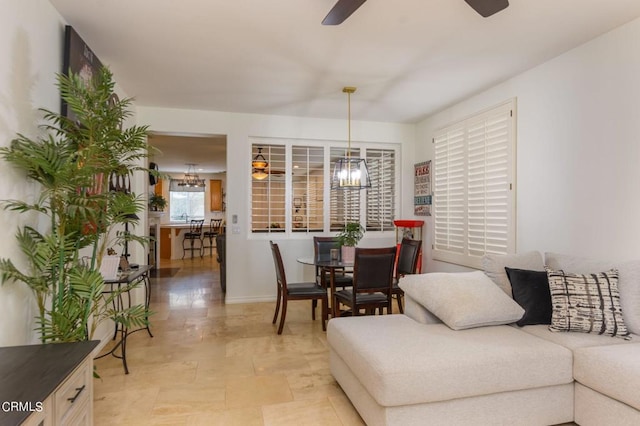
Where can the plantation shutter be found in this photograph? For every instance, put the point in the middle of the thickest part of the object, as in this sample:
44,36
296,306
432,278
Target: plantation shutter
449,191
308,188
381,195
344,204
474,168
268,195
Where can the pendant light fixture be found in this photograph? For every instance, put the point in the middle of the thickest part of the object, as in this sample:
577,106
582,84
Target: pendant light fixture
191,178
259,165
350,172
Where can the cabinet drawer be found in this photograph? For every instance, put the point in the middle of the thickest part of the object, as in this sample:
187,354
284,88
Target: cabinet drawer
80,415
74,394
42,418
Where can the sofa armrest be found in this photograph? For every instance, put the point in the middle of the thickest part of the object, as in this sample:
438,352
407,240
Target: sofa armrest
417,312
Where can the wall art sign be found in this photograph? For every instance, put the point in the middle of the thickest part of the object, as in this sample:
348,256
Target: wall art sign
422,189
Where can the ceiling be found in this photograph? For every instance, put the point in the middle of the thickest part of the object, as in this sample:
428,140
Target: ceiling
408,58
174,152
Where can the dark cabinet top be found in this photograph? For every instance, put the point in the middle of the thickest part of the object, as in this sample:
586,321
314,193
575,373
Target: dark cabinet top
29,374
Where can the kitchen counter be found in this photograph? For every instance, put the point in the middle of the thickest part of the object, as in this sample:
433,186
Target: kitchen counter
178,225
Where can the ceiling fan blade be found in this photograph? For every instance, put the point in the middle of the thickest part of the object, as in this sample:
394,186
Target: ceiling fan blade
487,8
341,11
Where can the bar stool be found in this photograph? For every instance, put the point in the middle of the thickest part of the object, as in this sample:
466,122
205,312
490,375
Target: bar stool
215,226
195,233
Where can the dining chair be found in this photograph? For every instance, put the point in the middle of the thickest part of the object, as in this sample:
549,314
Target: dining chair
215,227
296,291
221,250
372,282
194,234
322,251
407,264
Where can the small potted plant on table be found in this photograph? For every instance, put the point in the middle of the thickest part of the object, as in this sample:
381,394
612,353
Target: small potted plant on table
348,238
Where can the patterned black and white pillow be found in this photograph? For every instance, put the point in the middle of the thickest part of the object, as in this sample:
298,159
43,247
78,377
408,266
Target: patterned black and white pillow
587,303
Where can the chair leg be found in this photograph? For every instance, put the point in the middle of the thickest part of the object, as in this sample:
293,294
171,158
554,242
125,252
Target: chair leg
335,309
283,315
275,315
314,304
325,312
399,299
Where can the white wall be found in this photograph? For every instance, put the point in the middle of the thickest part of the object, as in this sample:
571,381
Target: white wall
250,270
578,148
31,49
31,38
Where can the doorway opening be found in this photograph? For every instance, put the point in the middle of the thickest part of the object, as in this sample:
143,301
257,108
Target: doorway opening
193,183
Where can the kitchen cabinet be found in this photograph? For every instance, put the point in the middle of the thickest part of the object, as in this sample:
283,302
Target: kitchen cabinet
215,195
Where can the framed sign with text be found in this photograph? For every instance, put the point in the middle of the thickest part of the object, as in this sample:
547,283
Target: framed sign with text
422,189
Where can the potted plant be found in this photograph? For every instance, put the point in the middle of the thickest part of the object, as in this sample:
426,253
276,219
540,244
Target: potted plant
74,164
348,238
157,202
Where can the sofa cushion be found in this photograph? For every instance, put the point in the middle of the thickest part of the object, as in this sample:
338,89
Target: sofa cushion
611,370
400,361
588,303
494,264
572,340
417,312
628,283
531,291
462,300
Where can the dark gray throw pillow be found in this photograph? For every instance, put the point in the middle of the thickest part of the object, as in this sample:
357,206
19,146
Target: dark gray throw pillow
531,291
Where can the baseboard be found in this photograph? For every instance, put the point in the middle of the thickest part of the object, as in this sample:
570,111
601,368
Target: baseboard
236,300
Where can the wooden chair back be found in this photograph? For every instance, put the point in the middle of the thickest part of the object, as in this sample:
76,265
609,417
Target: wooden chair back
322,247
281,278
373,270
408,257
215,226
195,226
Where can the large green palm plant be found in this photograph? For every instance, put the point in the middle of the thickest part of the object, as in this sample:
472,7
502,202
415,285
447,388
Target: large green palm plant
74,165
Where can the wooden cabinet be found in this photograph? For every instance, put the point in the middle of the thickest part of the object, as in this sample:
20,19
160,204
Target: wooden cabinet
215,195
71,403
50,384
73,399
159,188
165,243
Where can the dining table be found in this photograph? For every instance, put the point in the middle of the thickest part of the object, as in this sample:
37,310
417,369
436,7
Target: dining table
330,266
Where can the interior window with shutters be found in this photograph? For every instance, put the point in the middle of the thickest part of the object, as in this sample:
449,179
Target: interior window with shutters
308,188
474,195
268,194
381,196
344,203
292,194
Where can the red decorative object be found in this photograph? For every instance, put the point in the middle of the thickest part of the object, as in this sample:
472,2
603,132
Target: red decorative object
409,229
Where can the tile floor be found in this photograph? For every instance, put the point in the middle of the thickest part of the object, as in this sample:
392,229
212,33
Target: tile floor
216,364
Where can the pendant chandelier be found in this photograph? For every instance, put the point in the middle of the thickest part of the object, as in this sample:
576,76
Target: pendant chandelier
259,165
191,178
350,172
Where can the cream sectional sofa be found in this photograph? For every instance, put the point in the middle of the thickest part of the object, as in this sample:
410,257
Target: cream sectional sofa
412,369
